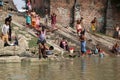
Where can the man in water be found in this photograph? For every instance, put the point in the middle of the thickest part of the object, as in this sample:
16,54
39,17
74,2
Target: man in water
83,43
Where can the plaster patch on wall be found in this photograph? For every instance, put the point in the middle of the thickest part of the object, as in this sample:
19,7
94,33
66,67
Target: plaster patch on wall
63,12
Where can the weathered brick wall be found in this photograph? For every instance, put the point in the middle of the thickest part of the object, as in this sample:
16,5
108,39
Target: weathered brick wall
63,10
89,10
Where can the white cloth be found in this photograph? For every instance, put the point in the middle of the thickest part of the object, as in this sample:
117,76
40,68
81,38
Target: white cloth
5,29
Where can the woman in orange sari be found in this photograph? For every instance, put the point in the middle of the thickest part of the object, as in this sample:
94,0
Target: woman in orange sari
33,20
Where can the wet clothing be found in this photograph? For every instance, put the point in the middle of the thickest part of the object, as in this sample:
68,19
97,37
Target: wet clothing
83,46
83,43
96,51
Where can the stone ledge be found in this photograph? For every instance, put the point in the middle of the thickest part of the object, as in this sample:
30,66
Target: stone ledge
17,59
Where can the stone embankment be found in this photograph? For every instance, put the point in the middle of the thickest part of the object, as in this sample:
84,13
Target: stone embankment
24,35
70,34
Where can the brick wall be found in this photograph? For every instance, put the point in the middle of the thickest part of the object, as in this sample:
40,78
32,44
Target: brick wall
89,10
63,10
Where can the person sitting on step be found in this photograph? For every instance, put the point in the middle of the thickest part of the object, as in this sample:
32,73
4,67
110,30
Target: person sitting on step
64,44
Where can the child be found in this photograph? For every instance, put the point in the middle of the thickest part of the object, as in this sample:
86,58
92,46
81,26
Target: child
101,53
50,50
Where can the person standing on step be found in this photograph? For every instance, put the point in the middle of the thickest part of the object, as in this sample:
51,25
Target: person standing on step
53,20
94,25
9,19
5,32
46,17
42,43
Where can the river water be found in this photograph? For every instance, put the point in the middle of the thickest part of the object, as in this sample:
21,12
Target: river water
90,68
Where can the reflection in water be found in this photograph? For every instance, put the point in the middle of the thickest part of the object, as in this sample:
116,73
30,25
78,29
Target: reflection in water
91,68
83,65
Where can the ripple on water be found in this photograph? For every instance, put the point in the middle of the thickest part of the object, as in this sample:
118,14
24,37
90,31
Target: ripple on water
89,68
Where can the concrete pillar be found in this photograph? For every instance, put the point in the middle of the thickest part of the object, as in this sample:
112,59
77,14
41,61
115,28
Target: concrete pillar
109,19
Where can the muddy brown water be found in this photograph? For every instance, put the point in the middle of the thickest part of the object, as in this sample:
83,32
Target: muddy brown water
90,68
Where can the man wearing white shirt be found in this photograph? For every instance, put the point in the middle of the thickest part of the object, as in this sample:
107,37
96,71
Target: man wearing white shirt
5,31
